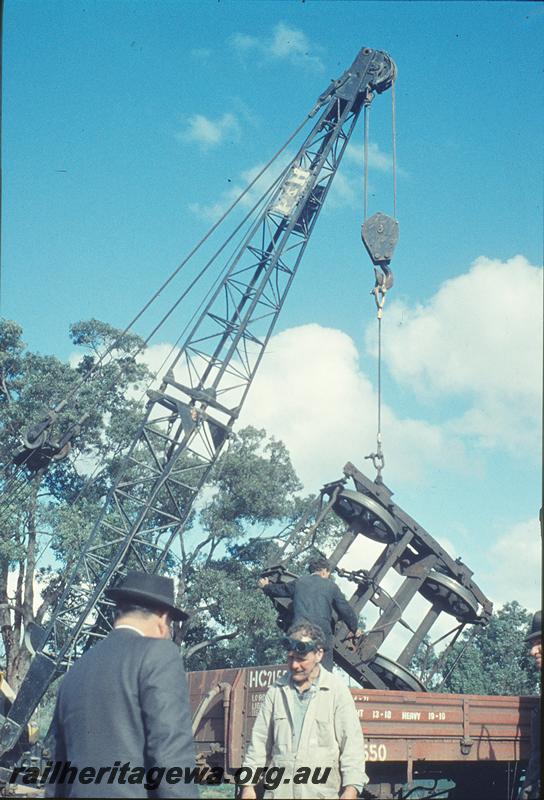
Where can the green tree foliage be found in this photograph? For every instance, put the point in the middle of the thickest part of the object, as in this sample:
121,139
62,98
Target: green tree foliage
489,660
424,665
253,505
35,512
237,527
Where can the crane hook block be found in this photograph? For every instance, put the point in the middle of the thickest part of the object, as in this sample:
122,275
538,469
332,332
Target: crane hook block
380,235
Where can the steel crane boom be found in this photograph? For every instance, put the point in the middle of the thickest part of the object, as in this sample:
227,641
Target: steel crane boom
190,417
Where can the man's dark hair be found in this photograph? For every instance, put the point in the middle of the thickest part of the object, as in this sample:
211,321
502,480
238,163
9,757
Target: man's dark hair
319,563
313,632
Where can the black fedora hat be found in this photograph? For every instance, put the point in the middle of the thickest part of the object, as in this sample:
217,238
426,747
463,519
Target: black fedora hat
149,591
536,627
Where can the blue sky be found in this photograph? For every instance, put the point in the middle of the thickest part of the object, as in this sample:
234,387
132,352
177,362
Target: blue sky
126,123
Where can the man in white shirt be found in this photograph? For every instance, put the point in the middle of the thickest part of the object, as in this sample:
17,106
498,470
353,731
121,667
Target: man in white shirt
308,728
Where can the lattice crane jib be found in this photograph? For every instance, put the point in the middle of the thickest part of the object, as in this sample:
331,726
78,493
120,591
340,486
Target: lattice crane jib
190,417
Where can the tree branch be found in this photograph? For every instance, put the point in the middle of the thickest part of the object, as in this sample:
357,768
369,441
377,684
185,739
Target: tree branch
212,551
198,548
28,592
5,389
18,605
5,610
207,642
53,591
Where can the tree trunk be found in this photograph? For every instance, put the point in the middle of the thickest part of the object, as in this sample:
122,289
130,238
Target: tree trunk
16,616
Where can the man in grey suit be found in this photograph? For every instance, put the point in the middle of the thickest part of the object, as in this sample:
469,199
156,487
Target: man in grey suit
122,721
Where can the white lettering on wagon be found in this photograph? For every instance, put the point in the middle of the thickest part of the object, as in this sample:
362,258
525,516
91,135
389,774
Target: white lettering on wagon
375,752
383,714
256,698
411,715
263,678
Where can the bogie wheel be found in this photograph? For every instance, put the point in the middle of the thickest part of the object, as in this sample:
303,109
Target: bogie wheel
450,596
365,515
395,676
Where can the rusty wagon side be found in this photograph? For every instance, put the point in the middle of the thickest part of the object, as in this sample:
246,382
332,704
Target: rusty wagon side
461,747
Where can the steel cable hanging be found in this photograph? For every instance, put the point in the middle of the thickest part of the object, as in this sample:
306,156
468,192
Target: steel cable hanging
9,498
178,269
262,200
112,347
366,127
383,281
394,137
25,488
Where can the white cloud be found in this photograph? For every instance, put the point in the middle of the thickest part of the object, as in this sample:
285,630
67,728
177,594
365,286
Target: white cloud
301,396
478,340
286,43
348,186
514,566
377,159
209,133
157,358
346,190
244,43
201,53
311,393
213,211
292,44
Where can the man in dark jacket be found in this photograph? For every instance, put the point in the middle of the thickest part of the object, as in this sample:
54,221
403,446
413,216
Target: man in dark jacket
532,784
315,597
122,721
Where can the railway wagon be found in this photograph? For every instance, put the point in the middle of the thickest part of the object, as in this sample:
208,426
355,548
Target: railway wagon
417,744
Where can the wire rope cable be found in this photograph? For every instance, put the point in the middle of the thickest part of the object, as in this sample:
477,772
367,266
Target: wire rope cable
379,436
185,260
21,488
366,127
113,346
382,284
394,146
